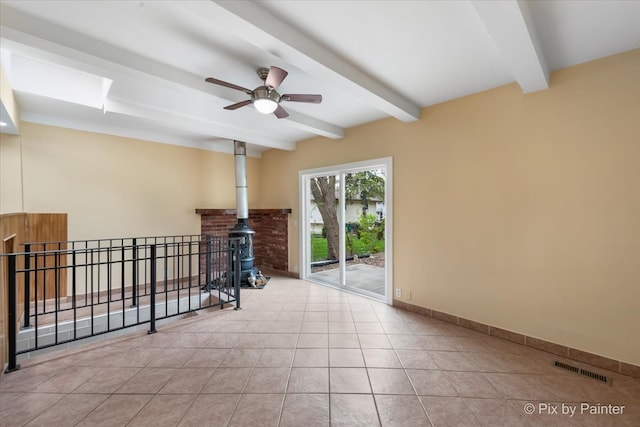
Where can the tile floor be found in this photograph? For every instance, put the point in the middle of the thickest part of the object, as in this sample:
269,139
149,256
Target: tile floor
299,354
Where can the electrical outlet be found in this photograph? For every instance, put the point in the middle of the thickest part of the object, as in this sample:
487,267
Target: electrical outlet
398,293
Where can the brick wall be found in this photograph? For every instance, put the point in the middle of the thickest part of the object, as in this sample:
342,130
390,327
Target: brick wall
270,243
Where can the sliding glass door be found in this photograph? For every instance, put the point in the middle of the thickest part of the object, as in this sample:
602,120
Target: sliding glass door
345,237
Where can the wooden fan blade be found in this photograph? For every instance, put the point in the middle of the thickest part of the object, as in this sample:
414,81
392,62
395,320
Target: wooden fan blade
302,97
281,113
275,77
237,105
227,84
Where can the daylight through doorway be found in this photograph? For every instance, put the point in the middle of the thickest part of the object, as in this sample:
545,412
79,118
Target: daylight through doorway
346,227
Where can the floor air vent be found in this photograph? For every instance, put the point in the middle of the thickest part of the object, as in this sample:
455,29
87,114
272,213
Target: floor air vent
583,372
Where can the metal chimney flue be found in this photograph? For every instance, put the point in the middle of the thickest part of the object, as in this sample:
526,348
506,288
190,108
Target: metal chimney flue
241,229
242,199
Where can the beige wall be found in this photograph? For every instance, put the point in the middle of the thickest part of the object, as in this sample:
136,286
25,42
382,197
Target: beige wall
10,174
112,186
519,211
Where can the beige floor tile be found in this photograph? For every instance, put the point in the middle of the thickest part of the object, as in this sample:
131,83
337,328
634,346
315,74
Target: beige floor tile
257,410
406,342
313,341
449,412
26,406
291,315
311,357
317,316
372,327
189,339
424,329
231,326
69,411
241,358
487,362
206,358
308,380
516,386
281,341
117,410
163,410
342,327
416,359
381,358
212,410
454,331
494,412
26,379
401,411
147,381
250,341
172,358
339,306
309,410
221,340
390,381
346,358
439,343
187,381
543,415
285,326
106,380
431,383
344,341
394,316
472,384
317,307
314,328
268,380
353,410
8,397
395,328
365,316
228,380
374,341
349,380
358,307
276,358
452,361
66,380
340,316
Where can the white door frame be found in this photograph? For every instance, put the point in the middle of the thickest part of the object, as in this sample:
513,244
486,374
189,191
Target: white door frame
304,177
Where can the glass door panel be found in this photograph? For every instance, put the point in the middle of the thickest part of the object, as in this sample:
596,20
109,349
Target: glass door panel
346,227
364,207
324,221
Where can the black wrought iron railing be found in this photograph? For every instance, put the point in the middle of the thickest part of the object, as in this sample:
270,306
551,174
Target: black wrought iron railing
59,292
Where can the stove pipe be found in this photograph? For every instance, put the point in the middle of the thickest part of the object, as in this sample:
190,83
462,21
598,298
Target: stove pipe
241,229
240,154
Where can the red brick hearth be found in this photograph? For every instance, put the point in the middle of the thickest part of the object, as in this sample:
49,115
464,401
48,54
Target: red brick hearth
270,244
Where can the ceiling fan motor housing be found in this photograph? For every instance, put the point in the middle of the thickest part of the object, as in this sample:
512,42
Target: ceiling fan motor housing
263,92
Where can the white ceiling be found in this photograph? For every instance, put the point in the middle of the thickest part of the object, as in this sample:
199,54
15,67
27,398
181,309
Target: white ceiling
137,68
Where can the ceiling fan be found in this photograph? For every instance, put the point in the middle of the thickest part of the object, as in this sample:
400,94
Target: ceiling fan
265,98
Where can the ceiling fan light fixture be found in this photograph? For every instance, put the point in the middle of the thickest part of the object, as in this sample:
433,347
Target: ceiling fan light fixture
265,105
265,99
